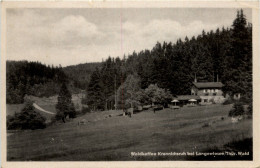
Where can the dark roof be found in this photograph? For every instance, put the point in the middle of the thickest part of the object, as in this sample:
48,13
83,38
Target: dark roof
208,84
187,97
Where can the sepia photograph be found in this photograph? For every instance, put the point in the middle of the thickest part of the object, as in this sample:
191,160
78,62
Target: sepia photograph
128,84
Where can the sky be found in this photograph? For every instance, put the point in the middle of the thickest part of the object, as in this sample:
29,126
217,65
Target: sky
73,36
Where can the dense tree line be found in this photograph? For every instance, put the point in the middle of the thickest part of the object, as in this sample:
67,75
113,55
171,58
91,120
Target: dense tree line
31,78
103,84
224,54
80,74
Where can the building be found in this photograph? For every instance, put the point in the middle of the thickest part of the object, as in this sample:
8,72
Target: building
185,99
209,92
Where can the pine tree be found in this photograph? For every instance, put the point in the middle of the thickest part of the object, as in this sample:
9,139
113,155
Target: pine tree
65,106
239,74
95,91
240,35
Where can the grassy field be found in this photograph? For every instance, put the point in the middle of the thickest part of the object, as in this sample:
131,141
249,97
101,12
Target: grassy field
114,138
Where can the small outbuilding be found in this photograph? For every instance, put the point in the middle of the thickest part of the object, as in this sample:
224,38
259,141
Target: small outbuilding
174,104
187,99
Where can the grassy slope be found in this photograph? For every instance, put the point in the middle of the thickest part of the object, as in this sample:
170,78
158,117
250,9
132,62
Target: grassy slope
115,137
11,109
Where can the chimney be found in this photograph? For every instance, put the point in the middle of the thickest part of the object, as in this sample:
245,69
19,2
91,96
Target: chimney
195,80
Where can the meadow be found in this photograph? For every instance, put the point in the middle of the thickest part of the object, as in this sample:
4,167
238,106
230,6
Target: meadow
110,136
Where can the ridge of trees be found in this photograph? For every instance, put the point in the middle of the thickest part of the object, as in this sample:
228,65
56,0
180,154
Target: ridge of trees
31,78
224,55
80,74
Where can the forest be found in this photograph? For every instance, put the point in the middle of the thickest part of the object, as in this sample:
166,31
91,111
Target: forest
31,78
83,71
225,53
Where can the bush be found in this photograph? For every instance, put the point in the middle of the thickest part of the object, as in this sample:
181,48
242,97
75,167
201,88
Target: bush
246,99
72,111
228,101
85,110
27,119
205,125
237,110
84,101
250,110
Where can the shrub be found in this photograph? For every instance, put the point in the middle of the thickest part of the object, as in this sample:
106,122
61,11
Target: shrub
246,99
228,101
250,109
84,101
85,110
237,110
27,119
205,125
72,111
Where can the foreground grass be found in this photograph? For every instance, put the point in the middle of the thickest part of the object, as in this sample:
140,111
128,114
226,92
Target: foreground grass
234,150
114,138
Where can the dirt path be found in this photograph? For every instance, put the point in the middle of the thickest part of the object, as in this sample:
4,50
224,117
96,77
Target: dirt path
42,110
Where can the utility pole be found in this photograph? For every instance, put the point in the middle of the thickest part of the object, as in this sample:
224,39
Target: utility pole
213,76
115,94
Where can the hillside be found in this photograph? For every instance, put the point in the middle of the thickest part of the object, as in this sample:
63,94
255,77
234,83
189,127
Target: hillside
80,74
224,55
104,138
32,78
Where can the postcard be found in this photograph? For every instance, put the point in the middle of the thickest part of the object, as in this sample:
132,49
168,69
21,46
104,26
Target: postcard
130,84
